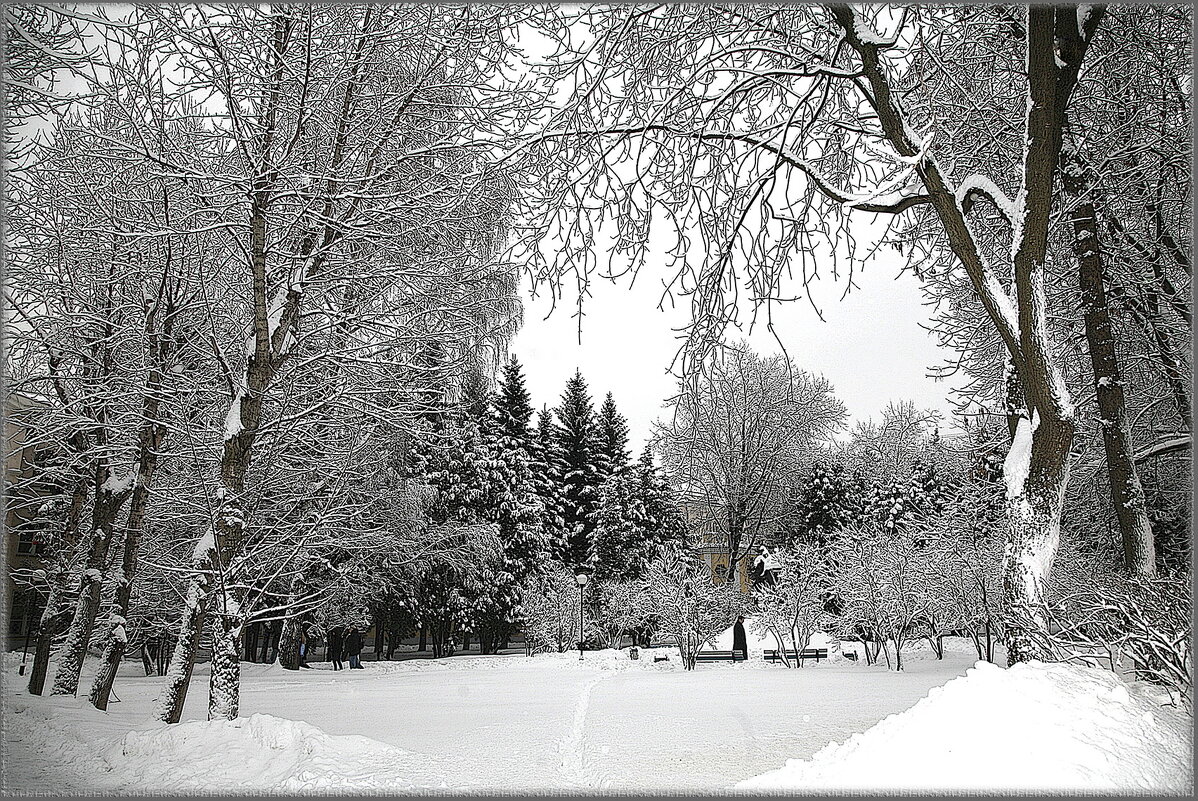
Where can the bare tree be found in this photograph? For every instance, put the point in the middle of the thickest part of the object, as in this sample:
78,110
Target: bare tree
737,438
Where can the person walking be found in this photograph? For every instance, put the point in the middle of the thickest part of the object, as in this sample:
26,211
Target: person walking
740,641
335,640
303,647
353,647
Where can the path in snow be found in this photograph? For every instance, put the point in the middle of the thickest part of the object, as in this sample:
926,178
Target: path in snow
573,747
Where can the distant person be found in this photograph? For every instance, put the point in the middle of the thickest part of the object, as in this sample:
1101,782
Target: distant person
303,648
740,641
335,639
353,647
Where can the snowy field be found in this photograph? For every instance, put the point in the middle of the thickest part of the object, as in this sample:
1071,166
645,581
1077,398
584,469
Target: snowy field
473,723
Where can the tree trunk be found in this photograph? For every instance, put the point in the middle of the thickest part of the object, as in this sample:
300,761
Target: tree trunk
423,646
118,641
53,620
252,634
289,643
1033,531
150,442
107,505
224,685
1127,494
178,673
1056,44
145,660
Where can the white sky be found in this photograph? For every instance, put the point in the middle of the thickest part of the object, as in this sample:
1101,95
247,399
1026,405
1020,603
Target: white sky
871,347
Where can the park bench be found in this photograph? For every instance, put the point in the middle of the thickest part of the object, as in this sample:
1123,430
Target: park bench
718,656
817,654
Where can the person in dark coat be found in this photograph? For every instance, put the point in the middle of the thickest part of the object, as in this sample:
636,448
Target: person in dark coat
353,647
740,641
335,638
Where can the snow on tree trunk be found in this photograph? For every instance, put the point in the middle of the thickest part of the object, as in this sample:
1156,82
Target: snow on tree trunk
1036,471
191,625
224,687
117,642
150,442
53,619
111,495
114,650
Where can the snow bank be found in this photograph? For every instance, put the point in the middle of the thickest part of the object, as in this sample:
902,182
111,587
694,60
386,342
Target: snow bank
1034,726
260,752
89,752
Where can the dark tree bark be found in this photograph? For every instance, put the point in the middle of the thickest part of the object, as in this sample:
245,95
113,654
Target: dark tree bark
1127,494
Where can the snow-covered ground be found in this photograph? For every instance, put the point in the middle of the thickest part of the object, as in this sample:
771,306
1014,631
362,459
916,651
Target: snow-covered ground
473,723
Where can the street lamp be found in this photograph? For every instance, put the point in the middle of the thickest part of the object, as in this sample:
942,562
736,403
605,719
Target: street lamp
581,575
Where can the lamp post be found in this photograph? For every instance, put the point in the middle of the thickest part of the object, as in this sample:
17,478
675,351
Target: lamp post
581,574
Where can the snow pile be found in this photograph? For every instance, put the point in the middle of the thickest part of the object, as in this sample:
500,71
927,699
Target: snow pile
260,752
1034,726
90,752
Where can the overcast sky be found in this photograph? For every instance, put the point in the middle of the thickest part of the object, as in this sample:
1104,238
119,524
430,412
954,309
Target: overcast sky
870,347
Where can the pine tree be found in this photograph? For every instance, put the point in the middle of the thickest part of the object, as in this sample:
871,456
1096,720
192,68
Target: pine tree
620,546
576,448
889,505
478,478
513,406
926,490
613,437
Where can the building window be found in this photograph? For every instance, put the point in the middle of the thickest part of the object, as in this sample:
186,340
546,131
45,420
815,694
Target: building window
29,543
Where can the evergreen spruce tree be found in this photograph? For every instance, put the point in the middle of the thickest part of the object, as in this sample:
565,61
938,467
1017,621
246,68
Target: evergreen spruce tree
548,479
664,523
476,401
576,449
513,406
488,478
926,490
889,505
613,438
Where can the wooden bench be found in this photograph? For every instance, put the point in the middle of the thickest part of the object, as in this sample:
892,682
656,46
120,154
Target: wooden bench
719,656
817,654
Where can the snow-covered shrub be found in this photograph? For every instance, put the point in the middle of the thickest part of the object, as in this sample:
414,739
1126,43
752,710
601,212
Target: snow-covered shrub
687,605
881,582
615,608
549,610
1101,617
793,607
965,548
